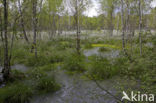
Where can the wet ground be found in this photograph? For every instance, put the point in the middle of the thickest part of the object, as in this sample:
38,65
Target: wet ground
95,51
75,89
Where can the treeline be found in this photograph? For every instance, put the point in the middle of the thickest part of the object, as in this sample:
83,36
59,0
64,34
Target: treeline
51,15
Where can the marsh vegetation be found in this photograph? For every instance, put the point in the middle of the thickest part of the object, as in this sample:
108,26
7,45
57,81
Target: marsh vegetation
52,55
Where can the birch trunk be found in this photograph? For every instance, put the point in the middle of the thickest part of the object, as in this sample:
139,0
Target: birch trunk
34,47
123,31
140,23
22,22
6,69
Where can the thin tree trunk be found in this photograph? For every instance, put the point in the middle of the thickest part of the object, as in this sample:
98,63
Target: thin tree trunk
22,22
118,25
123,31
77,28
54,25
1,27
6,69
140,23
34,46
111,23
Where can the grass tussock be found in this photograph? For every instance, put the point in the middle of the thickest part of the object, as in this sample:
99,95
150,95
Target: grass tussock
74,62
16,93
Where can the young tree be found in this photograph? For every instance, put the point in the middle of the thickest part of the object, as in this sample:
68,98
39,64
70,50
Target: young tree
140,24
123,28
34,9
77,8
6,69
22,20
108,8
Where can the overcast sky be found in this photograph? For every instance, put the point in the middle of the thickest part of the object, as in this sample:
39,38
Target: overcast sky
93,11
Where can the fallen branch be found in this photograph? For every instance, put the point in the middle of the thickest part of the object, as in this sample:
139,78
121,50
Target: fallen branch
102,88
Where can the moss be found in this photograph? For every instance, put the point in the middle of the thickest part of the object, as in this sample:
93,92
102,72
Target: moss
106,45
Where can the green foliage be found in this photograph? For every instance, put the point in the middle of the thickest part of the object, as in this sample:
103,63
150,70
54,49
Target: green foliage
16,93
103,49
101,68
19,55
121,64
47,84
48,67
36,73
56,57
88,46
31,60
74,62
17,75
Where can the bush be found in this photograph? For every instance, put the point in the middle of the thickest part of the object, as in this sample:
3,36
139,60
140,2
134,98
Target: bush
16,93
74,62
17,75
56,57
47,84
88,46
121,64
101,68
48,68
19,56
36,73
103,49
41,60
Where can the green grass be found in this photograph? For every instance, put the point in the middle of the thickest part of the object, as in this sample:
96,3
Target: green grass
51,54
101,68
16,93
74,63
104,49
47,84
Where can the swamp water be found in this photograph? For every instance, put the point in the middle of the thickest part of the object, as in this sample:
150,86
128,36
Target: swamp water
76,89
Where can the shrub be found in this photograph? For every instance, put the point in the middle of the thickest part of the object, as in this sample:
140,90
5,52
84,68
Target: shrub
121,64
88,46
101,68
36,73
103,49
31,60
47,84
56,57
16,93
19,55
74,62
16,75
48,67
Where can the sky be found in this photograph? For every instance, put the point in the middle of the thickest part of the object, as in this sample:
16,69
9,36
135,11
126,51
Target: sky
93,10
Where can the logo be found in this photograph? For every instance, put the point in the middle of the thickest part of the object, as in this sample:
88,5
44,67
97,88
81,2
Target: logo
138,97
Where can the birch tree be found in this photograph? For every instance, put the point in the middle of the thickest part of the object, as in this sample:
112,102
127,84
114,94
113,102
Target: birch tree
6,69
77,8
34,12
22,20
